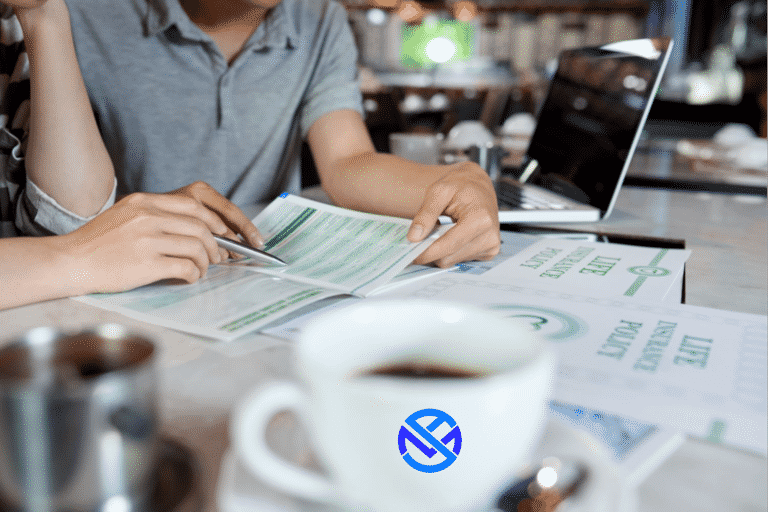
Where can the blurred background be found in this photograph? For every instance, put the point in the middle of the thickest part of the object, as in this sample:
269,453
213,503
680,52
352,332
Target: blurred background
426,65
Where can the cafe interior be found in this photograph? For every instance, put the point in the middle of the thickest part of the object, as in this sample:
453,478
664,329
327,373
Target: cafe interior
257,422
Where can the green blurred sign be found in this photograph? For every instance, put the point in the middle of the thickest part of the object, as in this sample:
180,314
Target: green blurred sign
432,43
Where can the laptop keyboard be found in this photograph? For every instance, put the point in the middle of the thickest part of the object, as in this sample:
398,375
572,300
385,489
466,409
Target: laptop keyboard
518,197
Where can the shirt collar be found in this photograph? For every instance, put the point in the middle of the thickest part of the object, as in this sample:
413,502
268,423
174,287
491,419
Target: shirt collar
278,29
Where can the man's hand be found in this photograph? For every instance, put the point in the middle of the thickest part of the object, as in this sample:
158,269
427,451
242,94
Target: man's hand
355,176
466,195
235,220
143,238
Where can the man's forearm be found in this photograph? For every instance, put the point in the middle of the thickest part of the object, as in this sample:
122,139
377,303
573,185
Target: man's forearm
381,183
65,155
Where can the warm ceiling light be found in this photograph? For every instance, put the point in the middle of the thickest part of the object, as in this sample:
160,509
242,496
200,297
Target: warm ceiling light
386,4
411,12
464,10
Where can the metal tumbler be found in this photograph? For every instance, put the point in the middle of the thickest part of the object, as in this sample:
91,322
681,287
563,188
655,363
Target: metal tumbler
78,421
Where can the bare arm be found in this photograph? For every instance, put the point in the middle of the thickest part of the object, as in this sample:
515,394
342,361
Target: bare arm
65,155
141,239
355,176
36,269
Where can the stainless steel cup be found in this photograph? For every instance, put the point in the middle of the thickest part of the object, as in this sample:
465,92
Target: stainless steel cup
78,421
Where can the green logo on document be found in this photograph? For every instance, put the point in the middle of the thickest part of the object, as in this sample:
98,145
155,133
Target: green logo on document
554,325
649,271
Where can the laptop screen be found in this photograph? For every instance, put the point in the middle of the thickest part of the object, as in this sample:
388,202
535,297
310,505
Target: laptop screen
592,117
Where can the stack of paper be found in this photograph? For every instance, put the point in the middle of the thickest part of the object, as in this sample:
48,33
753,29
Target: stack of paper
697,370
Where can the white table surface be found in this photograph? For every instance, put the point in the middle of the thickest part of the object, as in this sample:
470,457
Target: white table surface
201,381
728,269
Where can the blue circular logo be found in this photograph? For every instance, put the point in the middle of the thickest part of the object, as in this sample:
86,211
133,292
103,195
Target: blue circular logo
433,445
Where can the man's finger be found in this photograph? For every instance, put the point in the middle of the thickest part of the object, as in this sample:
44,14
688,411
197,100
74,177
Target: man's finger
470,254
470,238
436,199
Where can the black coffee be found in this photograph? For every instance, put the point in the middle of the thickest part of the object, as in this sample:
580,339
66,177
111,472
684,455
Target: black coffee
91,369
419,371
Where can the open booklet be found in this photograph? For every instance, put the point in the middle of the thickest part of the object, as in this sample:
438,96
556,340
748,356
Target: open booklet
329,250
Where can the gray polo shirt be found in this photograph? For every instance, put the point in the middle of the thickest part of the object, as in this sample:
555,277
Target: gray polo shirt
172,111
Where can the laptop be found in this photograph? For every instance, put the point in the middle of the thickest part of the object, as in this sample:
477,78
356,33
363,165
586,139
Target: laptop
587,131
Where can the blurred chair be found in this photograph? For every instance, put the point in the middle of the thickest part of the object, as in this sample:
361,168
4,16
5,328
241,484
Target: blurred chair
494,107
501,103
383,116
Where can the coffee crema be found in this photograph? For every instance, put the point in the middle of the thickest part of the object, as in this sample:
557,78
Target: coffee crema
422,371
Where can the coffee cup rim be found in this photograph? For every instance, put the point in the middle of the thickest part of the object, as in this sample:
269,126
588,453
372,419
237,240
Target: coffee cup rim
317,358
43,345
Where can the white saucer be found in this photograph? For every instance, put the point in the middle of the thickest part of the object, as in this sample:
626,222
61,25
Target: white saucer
603,491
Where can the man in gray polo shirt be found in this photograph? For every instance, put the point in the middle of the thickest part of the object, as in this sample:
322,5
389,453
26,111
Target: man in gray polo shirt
225,91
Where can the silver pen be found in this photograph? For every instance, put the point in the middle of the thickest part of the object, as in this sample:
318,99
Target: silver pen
247,250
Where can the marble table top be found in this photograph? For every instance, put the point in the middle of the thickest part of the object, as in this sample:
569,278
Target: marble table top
200,381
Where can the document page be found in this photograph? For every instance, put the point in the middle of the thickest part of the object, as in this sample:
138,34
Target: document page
595,268
225,304
698,370
336,248
330,251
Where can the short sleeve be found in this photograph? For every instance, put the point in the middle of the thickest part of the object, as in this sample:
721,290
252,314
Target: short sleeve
334,85
39,214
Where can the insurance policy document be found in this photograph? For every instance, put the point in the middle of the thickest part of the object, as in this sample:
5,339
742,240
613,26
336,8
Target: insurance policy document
693,369
330,251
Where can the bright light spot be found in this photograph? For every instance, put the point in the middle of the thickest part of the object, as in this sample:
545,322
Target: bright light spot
440,49
117,504
376,17
451,315
370,105
580,103
641,47
546,477
112,331
439,101
41,336
631,81
413,103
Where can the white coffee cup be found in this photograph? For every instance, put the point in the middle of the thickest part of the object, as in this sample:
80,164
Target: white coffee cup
365,426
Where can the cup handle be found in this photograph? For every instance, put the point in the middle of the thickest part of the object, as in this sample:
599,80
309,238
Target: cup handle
249,435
